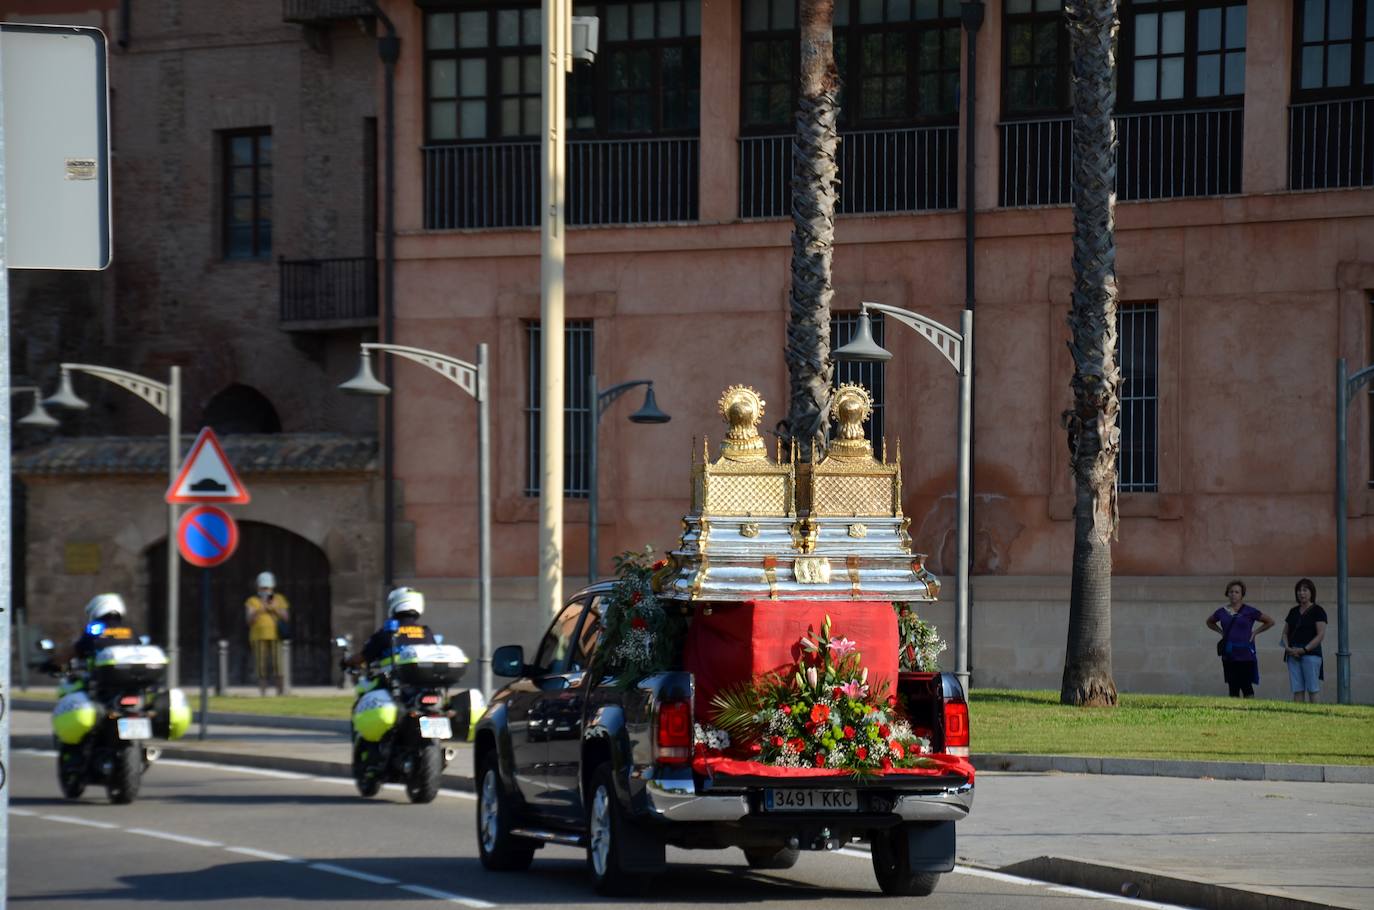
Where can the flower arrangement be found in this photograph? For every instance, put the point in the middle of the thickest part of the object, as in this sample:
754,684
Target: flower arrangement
642,632
919,645
826,714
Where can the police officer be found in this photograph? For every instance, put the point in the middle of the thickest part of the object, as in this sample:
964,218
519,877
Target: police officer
106,624
403,627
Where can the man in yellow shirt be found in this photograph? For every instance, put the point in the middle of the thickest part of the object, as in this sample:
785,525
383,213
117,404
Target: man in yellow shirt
267,612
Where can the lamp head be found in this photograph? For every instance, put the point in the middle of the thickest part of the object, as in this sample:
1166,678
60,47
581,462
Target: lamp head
363,381
39,416
971,12
861,345
649,411
65,397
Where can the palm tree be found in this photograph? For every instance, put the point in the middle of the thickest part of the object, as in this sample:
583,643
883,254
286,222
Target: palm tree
1094,439
814,193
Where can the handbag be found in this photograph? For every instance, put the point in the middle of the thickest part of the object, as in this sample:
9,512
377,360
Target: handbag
283,628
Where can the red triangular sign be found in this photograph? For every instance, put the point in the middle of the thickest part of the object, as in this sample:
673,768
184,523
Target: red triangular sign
206,475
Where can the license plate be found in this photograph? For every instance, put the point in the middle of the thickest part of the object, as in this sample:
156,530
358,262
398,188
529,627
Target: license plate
435,728
780,800
135,728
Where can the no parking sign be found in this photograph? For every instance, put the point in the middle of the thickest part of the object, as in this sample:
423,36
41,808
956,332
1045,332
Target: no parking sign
207,536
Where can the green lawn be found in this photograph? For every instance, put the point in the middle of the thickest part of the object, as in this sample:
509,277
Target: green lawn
337,706
1172,727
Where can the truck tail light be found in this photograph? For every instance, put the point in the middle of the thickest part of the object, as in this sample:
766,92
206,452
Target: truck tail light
956,728
674,744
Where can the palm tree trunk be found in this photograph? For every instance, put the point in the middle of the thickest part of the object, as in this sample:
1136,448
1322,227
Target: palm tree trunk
1094,439
814,193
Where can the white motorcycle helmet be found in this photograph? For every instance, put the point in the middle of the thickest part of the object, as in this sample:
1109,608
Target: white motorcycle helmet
104,605
405,600
267,580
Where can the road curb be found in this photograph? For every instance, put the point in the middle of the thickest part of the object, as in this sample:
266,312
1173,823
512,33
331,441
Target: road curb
1150,884
265,761
1199,770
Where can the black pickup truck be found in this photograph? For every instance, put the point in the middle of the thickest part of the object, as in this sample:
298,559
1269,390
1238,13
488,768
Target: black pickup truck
564,758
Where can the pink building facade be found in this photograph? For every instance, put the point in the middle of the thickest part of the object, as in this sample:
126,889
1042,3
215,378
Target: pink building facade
1245,232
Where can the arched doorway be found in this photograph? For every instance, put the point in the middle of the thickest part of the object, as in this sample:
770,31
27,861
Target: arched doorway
302,571
241,409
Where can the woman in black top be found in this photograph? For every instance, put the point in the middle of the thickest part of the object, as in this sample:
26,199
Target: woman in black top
1303,631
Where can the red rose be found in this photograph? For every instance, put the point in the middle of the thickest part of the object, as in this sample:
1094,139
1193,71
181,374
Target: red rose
892,701
636,597
838,693
778,741
884,730
887,764
796,744
786,709
861,753
897,749
662,563
820,759
755,748
639,623
819,714
848,732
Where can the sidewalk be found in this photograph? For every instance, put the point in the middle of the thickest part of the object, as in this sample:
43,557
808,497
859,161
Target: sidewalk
1197,841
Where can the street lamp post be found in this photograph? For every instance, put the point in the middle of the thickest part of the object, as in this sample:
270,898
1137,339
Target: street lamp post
598,402
957,348
166,400
471,378
37,417
1346,387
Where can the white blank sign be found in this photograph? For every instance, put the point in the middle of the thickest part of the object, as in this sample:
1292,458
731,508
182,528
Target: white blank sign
56,146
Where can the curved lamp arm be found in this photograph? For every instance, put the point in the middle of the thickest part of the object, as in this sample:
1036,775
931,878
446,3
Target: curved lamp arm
150,390
1352,384
606,397
947,341
461,373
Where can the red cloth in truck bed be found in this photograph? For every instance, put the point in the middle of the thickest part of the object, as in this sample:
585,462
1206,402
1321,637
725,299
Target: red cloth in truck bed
710,765
737,641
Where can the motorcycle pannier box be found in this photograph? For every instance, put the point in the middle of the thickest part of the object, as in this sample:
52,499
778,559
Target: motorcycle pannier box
430,666
130,667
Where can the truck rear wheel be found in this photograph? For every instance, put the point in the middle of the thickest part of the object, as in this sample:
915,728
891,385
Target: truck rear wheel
498,849
608,834
892,865
770,858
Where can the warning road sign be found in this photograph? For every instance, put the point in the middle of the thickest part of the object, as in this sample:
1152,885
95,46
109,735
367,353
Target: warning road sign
206,475
207,536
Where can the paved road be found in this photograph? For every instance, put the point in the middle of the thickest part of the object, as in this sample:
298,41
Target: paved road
204,834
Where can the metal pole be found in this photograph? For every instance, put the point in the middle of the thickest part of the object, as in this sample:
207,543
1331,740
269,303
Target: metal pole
21,623
484,521
222,677
6,520
593,479
1342,565
551,249
204,649
173,559
961,625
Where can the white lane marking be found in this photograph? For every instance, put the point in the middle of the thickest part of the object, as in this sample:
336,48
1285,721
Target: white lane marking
353,873
264,854
241,769
86,822
446,896
14,811
178,838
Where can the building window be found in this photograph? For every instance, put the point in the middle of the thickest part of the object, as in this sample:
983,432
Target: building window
898,62
871,376
1035,58
769,77
247,193
1137,355
1335,48
577,422
1182,51
483,74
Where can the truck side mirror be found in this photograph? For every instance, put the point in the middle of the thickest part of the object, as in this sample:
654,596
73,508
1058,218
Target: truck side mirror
508,660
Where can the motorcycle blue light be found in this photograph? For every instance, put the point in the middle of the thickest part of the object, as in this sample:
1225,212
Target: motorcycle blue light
96,628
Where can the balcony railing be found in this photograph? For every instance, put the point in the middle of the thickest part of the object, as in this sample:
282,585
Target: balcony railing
639,181
902,170
1331,144
328,293
307,11
1159,156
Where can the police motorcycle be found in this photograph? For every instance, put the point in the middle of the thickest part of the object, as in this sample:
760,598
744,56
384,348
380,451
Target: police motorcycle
110,703
403,713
